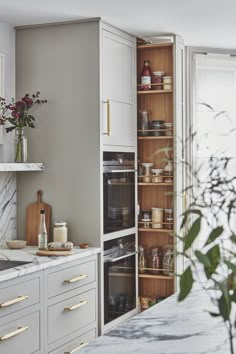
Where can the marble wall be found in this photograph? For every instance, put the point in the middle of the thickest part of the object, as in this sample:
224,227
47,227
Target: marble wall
7,206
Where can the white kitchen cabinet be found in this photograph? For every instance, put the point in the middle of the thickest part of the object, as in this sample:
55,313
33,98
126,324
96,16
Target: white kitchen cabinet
118,97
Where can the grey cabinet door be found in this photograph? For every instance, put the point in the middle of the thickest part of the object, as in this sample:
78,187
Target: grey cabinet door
21,336
118,90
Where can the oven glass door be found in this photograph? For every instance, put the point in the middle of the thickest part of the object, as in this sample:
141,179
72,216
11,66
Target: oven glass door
119,287
119,201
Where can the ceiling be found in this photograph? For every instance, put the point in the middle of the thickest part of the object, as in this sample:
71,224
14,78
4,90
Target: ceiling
209,23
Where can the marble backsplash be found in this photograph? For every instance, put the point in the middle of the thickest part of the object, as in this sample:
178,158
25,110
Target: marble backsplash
7,206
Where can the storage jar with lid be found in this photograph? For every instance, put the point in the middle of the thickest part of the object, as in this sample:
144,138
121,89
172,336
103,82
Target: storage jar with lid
157,218
60,231
168,218
158,127
168,260
143,122
158,80
169,128
155,259
157,175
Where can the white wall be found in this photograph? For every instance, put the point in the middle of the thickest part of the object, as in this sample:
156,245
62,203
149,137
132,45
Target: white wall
7,47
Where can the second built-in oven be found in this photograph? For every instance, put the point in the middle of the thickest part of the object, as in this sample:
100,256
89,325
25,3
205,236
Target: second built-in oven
118,191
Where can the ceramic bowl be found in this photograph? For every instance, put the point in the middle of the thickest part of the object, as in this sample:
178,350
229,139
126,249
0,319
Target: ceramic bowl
16,244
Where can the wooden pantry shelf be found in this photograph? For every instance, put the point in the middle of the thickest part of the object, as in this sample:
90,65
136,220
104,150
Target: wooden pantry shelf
155,184
155,230
151,276
152,92
121,274
165,137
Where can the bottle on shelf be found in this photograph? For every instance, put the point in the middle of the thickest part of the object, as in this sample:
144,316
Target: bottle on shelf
168,171
146,76
42,235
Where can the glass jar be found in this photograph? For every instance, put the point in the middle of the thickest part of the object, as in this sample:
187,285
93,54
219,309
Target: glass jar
20,145
168,260
167,82
146,219
143,122
158,80
168,218
157,127
60,231
157,218
155,260
142,262
169,128
168,171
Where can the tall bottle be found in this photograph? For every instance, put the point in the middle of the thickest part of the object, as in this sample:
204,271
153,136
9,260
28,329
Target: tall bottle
42,235
146,76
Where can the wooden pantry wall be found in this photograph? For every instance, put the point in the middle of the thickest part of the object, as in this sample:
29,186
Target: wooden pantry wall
156,147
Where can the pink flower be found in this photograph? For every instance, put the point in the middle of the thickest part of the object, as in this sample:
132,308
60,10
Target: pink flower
28,101
20,106
15,114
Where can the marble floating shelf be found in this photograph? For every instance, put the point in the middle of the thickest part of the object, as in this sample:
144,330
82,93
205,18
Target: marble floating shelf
18,167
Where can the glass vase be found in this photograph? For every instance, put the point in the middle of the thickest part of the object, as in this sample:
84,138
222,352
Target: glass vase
20,144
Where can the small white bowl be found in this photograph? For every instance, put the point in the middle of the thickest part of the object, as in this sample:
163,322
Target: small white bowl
16,244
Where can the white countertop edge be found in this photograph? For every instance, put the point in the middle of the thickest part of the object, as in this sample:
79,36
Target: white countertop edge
37,263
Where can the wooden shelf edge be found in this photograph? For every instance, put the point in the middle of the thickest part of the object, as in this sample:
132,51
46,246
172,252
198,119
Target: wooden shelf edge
165,137
152,92
161,277
156,184
155,230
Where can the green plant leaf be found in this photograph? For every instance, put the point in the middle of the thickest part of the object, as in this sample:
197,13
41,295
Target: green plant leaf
233,238
214,256
224,307
192,234
231,266
213,314
215,233
187,213
186,283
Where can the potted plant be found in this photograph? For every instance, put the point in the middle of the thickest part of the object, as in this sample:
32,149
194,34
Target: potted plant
18,115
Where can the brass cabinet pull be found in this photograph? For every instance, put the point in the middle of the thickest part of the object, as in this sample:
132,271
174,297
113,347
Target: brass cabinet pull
14,301
82,344
73,280
108,132
77,306
13,333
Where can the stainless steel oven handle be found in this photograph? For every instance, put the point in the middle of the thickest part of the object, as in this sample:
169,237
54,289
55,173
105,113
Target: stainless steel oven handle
122,171
112,260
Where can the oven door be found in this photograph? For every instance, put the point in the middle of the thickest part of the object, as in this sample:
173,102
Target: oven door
119,200
119,286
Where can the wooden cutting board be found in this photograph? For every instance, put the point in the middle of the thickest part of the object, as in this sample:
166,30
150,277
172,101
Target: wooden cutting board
46,253
33,220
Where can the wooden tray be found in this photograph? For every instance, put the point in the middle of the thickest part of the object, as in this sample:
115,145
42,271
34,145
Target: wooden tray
47,253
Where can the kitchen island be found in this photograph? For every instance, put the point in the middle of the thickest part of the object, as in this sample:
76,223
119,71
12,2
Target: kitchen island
167,328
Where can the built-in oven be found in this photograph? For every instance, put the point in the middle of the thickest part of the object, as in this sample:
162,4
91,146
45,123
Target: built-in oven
118,191
119,277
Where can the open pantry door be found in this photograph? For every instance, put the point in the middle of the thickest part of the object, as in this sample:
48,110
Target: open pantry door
211,112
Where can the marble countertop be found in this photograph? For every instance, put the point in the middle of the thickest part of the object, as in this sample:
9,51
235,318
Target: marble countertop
28,254
167,328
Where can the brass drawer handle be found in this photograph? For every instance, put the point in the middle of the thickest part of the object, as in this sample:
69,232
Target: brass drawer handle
108,132
77,306
14,333
73,280
82,344
14,301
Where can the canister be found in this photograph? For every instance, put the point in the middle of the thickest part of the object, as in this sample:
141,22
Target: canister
167,82
60,231
157,218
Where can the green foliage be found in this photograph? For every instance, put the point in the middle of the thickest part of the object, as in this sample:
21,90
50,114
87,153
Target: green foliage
186,283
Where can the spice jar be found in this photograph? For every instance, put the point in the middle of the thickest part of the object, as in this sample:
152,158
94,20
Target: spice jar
157,218
168,171
167,82
168,218
146,219
168,260
60,231
142,262
157,175
143,122
158,80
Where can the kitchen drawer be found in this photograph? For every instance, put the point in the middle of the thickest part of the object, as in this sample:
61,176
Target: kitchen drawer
75,345
19,296
71,278
71,314
26,341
